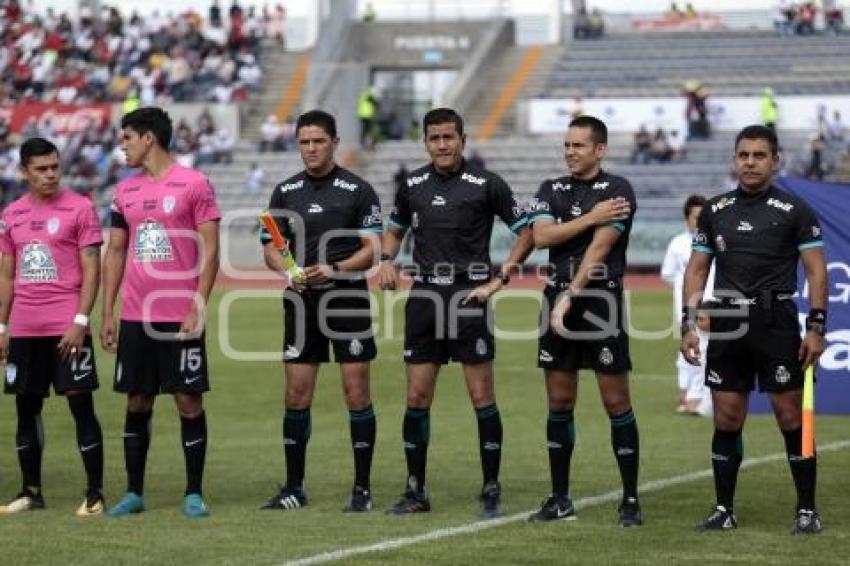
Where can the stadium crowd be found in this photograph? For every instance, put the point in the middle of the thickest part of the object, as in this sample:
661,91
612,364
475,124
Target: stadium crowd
106,57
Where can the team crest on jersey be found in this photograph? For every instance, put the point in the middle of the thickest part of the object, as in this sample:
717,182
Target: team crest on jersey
374,216
53,225
168,204
37,264
152,242
575,210
606,357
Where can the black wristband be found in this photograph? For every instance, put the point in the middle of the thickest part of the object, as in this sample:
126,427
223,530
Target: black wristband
386,257
816,322
689,320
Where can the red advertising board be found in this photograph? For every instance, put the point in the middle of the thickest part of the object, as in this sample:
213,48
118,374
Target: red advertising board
65,118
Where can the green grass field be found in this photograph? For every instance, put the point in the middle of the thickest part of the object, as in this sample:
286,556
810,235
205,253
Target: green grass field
245,463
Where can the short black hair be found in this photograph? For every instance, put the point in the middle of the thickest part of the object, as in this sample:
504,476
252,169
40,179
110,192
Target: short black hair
692,202
598,129
759,132
317,118
442,116
150,119
36,147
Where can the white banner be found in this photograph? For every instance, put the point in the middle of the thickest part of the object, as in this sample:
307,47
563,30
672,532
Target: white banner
550,116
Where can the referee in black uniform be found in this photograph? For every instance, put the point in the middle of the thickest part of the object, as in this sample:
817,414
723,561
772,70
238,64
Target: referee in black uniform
756,234
337,216
450,205
585,219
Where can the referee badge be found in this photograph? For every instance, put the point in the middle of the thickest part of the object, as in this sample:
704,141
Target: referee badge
355,347
606,357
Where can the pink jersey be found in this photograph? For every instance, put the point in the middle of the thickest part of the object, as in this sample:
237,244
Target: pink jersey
163,260
46,238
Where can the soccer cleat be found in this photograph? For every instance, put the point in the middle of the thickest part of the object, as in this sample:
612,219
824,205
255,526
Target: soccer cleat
194,506
92,505
131,503
555,508
629,511
491,500
719,520
26,500
413,500
287,498
359,502
807,523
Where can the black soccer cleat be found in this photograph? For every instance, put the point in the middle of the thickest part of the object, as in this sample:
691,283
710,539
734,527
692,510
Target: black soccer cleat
413,500
287,498
359,502
555,508
491,500
629,513
807,523
720,519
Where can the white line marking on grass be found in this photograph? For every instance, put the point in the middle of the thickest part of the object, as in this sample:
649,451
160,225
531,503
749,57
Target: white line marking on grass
583,503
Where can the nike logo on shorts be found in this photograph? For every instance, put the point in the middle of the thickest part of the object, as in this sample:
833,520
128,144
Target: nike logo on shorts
191,380
190,443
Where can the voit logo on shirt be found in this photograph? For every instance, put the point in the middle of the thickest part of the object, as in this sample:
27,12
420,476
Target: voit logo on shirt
152,243
37,264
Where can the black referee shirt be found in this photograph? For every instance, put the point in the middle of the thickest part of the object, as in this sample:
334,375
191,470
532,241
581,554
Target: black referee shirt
756,239
567,198
452,217
338,201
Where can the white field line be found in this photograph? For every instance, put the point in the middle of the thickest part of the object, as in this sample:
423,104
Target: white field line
583,503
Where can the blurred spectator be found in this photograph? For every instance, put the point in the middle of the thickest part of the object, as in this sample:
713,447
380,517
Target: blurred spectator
215,14
642,144
805,19
769,109
254,179
276,26
367,110
588,26
223,144
659,150
369,13
816,164
676,143
783,17
836,129
476,160
674,13
834,20
690,12
271,135
696,110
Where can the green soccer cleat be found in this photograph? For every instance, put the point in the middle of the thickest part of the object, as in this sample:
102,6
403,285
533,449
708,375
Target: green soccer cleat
194,506
131,503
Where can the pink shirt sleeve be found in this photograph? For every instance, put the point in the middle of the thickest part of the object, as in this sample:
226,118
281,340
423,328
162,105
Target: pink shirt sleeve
205,206
7,246
88,228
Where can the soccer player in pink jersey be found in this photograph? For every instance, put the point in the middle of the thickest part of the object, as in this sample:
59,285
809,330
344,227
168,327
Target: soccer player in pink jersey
49,274
163,253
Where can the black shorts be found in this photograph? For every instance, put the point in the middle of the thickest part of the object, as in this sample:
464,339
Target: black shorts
766,353
438,328
596,337
339,315
151,360
34,364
